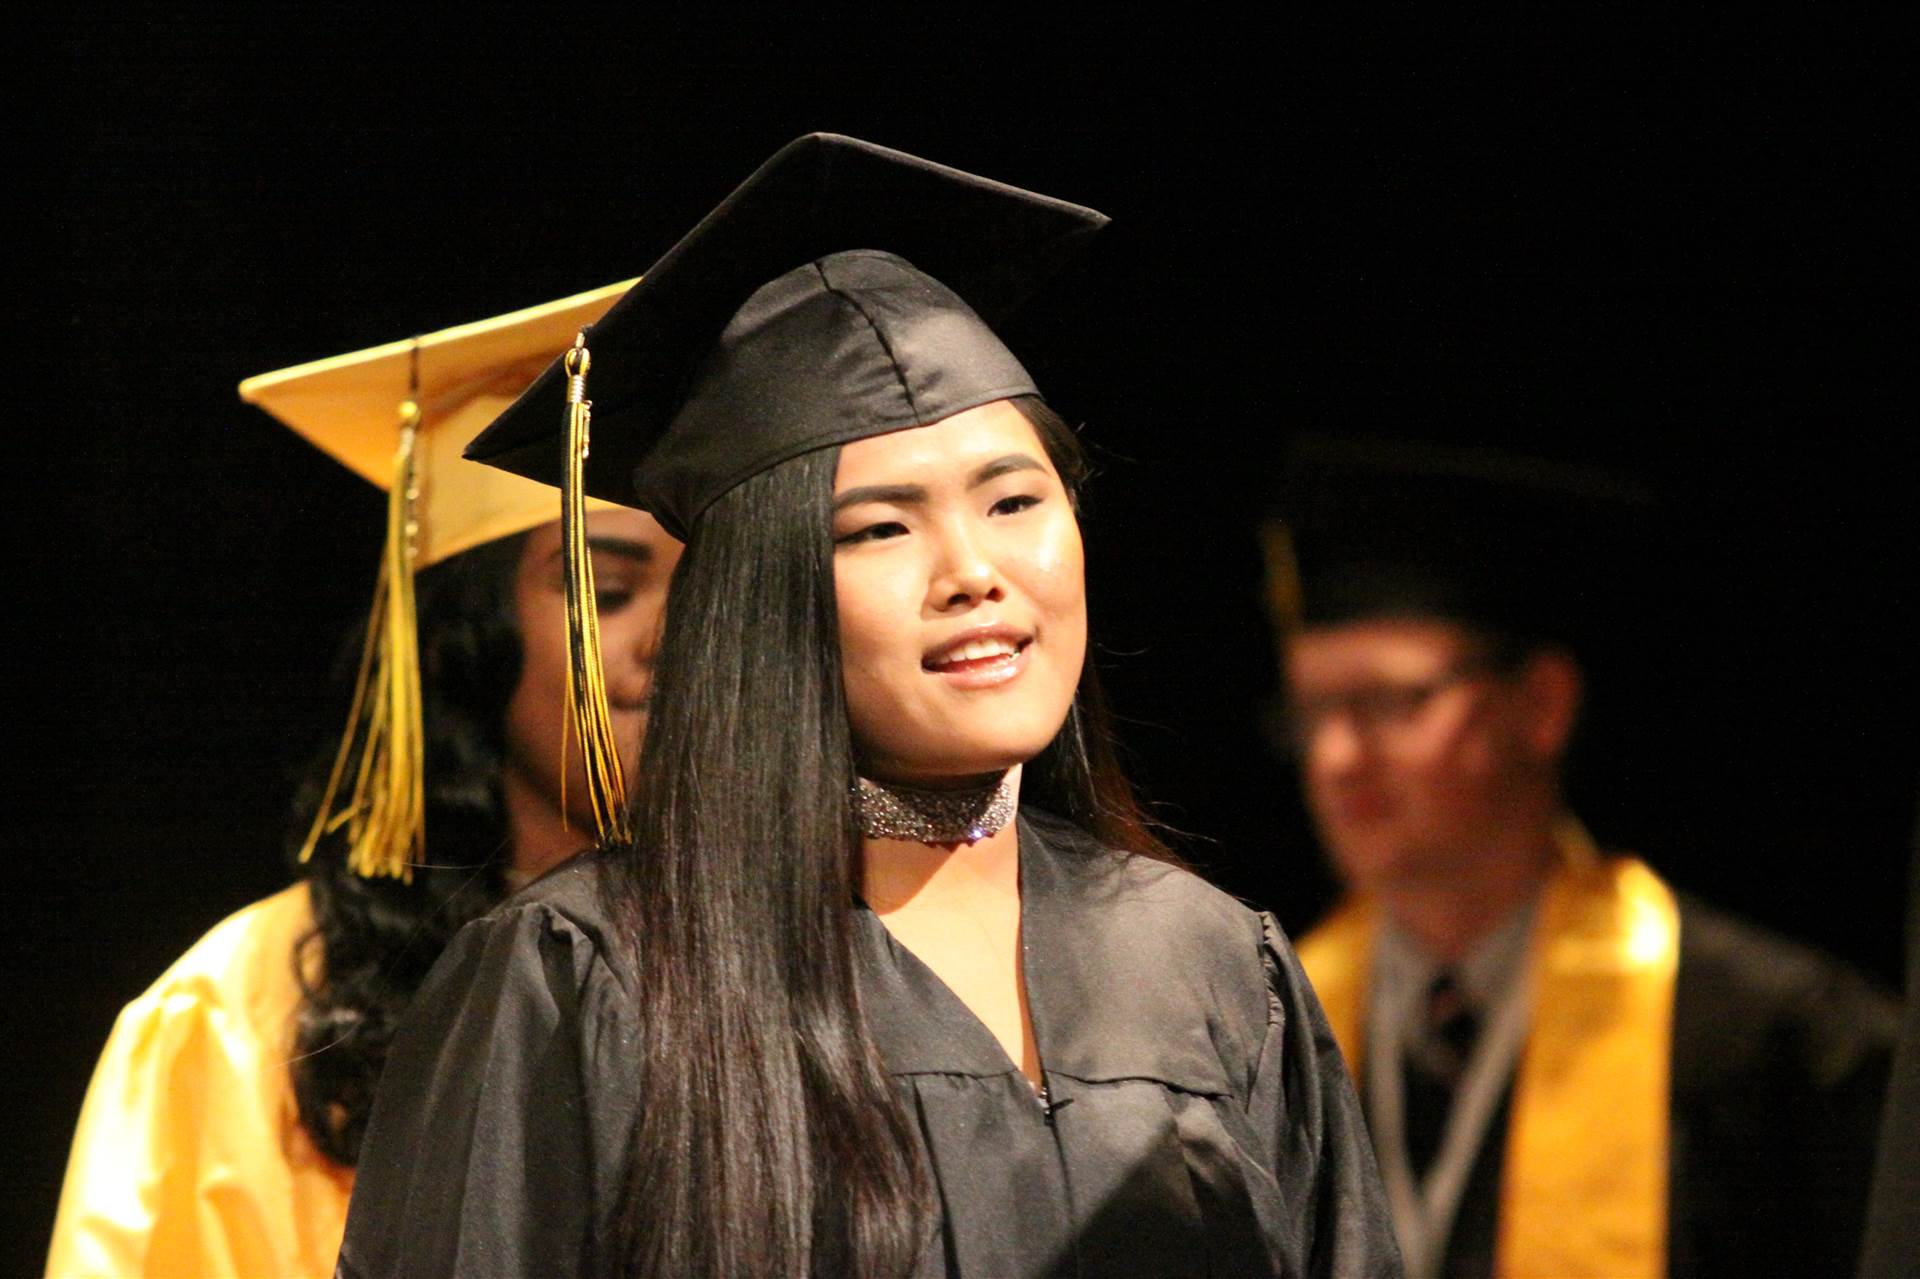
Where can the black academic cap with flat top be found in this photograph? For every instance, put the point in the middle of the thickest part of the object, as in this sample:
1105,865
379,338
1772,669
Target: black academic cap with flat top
1530,549
843,290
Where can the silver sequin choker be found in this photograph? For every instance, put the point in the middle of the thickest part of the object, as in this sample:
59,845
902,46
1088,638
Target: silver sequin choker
891,811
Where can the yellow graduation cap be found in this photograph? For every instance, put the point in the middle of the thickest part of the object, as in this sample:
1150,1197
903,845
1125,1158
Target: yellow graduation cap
350,406
400,416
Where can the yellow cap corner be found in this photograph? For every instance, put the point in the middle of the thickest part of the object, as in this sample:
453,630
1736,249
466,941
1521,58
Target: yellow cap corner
348,406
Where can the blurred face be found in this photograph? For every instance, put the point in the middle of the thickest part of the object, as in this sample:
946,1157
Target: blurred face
959,577
633,560
1422,763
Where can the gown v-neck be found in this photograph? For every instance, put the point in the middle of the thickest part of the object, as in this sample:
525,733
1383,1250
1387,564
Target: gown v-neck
939,989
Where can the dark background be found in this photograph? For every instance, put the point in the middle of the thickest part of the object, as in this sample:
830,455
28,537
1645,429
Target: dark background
1675,252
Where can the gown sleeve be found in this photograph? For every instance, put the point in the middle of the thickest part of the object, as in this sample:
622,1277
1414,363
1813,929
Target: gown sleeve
478,1159
110,1199
158,1181
1302,1096
187,1160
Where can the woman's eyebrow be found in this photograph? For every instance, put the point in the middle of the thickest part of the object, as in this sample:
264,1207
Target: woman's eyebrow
623,546
896,494
626,548
1002,466
906,494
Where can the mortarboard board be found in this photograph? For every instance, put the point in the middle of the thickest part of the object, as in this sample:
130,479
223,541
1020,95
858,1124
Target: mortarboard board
843,290
1526,548
460,378
400,416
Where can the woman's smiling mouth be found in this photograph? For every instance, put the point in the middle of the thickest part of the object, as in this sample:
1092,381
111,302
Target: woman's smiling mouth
981,658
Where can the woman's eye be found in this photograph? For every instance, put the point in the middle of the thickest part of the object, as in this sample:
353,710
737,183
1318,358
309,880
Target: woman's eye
607,600
872,533
1015,504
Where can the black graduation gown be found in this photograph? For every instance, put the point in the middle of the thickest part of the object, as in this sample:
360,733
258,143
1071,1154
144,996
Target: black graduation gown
1892,1247
1780,1059
1201,1120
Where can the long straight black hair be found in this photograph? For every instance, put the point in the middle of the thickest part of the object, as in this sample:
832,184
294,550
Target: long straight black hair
772,1142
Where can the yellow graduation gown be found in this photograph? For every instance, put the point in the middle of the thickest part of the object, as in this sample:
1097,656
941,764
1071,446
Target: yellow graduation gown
190,1159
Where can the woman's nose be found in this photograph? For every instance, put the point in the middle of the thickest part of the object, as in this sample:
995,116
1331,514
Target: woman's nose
629,657
964,575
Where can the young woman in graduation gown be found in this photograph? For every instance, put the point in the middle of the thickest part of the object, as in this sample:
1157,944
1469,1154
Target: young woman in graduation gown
223,1122
890,978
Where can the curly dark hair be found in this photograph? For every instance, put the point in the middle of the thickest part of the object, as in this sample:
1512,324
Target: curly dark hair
373,940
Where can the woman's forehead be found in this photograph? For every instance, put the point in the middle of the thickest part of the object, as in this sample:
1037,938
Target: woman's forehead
950,450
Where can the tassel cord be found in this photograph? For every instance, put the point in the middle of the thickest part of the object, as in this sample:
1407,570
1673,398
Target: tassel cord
385,812
588,709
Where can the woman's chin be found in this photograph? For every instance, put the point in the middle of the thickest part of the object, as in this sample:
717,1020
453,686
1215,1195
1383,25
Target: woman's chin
949,771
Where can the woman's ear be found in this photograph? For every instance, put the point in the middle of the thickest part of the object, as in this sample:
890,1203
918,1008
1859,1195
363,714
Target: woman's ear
1553,685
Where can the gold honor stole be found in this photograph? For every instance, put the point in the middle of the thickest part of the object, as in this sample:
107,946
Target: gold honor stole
1584,1189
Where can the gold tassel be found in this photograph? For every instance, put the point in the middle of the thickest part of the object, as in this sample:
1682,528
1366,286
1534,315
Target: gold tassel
586,677
1283,576
385,815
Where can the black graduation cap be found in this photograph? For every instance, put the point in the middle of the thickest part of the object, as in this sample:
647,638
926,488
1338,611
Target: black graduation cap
843,290
1528,548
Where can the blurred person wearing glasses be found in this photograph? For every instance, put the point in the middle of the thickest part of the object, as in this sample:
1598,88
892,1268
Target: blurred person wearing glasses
1568,1069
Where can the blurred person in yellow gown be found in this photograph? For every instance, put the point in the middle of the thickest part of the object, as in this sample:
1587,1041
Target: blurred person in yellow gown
221,1128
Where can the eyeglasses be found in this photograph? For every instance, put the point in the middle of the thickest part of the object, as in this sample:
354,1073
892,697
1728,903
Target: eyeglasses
1375,709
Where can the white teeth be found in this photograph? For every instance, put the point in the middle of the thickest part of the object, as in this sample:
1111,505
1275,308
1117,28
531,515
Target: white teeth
974,650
